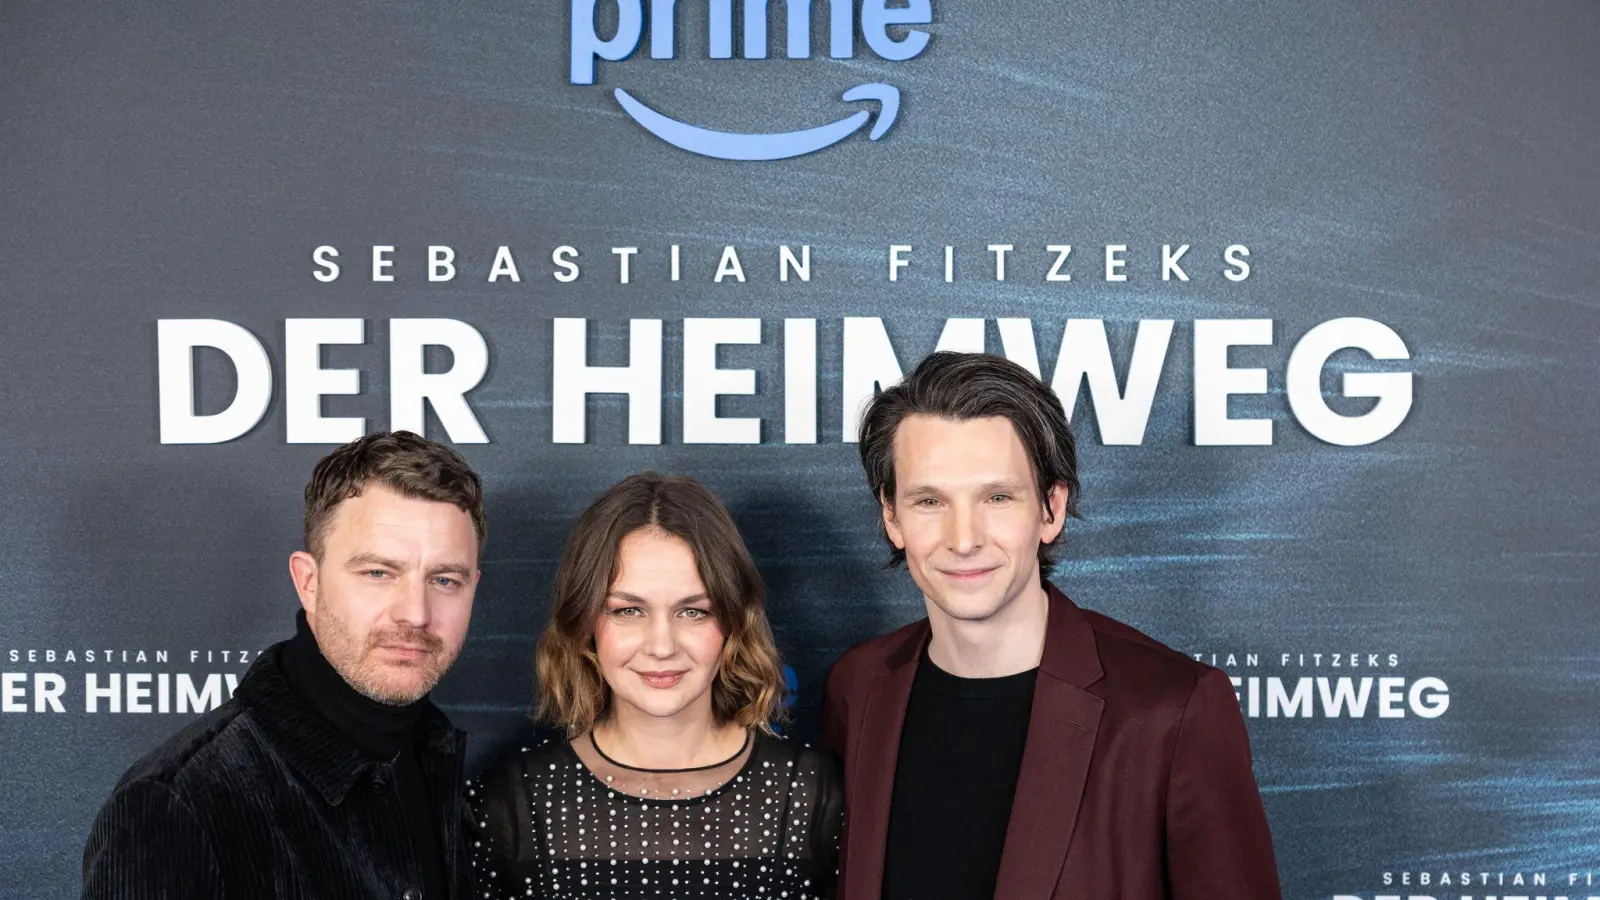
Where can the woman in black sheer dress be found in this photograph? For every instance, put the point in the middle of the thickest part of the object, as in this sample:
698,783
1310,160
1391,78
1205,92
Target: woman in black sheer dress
659,665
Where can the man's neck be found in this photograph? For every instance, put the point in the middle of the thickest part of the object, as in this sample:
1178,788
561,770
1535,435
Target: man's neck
377,728
1006,643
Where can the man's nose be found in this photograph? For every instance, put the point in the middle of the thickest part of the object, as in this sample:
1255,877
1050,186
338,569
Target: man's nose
411,605
965,529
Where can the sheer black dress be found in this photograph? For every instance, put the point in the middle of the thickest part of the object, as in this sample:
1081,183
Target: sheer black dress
559,820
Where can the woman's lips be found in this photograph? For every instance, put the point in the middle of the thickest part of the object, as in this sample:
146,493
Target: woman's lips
661,680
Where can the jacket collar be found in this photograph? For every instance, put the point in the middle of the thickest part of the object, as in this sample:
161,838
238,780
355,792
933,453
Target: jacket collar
1070,654
317,750
1062,728
1069,648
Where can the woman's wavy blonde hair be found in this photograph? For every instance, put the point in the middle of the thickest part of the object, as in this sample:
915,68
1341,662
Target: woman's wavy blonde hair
748,688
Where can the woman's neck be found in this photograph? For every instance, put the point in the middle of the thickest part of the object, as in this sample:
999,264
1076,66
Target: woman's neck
690,739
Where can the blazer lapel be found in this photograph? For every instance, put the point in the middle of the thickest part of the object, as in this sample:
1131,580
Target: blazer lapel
871,768
1055,763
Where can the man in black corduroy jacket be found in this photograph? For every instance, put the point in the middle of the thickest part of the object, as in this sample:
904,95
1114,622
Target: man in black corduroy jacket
329,773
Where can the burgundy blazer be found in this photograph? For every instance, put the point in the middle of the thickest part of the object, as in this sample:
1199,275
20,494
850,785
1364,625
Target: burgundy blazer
1135,780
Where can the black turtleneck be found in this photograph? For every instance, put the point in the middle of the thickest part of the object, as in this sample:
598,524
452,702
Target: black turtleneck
388,734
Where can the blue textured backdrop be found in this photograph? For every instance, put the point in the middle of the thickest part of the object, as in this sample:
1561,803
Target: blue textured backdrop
1429,165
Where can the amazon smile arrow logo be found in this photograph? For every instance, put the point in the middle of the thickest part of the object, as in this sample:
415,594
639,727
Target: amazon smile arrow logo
782,145
876,20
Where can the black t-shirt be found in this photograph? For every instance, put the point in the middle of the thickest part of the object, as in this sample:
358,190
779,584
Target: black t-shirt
960,752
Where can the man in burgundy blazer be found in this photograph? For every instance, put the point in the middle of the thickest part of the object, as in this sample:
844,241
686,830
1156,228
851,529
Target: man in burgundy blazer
1011,744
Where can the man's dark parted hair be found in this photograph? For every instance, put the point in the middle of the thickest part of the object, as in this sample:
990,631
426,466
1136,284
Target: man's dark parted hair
962,386
409,465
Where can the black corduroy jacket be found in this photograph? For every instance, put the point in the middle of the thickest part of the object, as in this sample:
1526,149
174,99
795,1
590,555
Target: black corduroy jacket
264,798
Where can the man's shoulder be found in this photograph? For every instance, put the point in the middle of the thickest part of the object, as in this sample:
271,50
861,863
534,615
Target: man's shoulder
865,658
1122,639
200,757
1139,666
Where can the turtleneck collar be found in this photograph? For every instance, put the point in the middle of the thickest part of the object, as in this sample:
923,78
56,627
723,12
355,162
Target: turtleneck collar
379,729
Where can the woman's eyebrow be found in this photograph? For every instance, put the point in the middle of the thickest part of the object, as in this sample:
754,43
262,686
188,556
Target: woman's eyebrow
626,597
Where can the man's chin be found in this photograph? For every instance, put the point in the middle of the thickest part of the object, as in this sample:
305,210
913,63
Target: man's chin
398,684
968,607
394,695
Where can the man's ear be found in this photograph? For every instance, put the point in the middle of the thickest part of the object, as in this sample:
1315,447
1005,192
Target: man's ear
1055,504
890,526
303,572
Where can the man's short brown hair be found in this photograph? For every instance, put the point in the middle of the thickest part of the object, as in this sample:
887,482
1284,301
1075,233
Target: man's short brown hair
405,463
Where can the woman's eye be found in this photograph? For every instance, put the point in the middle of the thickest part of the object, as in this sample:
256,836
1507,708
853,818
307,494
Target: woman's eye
627,612
999,498
695,613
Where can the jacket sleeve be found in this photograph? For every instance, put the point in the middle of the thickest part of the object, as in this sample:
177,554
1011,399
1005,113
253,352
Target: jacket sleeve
1218,843
147,844
835,714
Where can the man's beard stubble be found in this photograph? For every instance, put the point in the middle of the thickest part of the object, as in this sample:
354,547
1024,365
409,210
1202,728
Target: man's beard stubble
350,658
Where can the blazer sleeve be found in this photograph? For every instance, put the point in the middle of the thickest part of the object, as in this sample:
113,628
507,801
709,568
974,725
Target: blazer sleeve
1218,843
147,844
835,713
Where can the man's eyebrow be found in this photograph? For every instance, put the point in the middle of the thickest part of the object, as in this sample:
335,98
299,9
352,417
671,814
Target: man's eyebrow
1001,484
373,559
451,568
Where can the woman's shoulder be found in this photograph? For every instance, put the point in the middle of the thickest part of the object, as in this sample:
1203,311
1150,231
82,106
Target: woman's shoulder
817,774
806,758
527,757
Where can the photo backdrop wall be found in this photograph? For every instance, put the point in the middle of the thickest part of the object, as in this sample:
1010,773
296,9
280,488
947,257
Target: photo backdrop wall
1317,281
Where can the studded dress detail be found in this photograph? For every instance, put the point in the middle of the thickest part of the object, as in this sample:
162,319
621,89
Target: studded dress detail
559,820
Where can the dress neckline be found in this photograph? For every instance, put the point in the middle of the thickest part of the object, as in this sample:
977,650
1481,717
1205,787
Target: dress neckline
753,745
748,737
